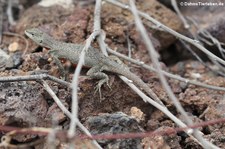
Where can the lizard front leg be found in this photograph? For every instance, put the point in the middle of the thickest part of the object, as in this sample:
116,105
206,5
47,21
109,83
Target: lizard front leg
96,73
58,63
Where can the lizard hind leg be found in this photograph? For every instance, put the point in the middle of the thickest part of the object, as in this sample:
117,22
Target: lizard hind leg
116,59
96,73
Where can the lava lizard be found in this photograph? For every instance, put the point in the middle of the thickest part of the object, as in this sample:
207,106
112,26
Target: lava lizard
93,59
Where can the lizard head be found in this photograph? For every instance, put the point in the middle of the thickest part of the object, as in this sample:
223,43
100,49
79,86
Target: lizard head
38,36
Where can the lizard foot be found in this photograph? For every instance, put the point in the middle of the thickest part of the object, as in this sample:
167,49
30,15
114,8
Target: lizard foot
99,85
95,72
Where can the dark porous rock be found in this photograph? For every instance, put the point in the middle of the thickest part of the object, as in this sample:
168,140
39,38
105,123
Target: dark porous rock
116,123
22,105
14,61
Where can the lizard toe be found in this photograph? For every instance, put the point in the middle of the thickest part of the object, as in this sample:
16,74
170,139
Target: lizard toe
98,89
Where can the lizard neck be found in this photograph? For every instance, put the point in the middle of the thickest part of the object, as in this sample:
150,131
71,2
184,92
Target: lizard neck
51,43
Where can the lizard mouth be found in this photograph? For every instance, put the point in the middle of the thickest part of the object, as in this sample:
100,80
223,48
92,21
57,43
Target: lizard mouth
28,34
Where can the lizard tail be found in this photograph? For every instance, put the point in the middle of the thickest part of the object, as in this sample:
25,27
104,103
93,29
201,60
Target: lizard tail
137,81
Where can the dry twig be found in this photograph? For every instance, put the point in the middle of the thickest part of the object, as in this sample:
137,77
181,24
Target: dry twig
154,58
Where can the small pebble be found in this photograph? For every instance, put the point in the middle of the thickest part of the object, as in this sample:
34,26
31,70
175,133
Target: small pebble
13,47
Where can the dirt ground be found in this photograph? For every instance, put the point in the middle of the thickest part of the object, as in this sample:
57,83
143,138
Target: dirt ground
26,104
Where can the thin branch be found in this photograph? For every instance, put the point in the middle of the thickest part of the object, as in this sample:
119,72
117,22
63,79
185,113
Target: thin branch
10,14
20,36
34,78
204,39
97,26
1,21
74,106
22,146
101,41
207,35
150,68
200,60
155,104
96,32
164,132
55,98
154,58
68,114
175,7
169,30
146,98
61,134
51,138
129,46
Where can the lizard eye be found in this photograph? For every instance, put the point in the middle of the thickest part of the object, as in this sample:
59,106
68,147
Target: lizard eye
40,41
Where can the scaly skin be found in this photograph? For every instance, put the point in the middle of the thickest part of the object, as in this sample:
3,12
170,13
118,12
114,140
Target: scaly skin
93,59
